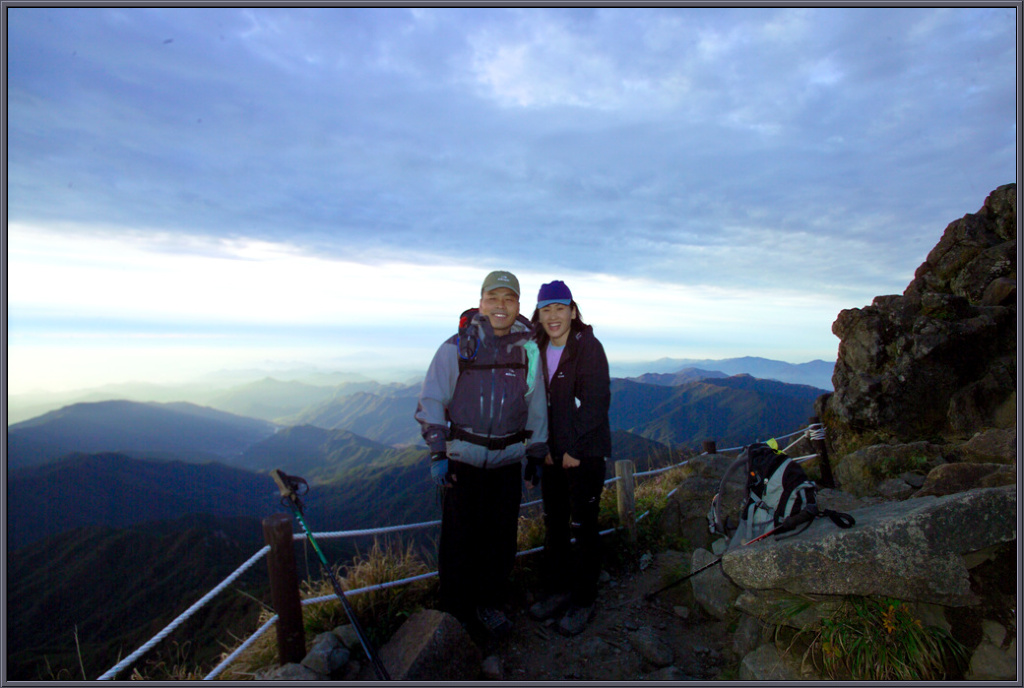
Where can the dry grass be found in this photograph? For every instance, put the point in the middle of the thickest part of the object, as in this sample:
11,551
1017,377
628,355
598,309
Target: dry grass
179,666
379,612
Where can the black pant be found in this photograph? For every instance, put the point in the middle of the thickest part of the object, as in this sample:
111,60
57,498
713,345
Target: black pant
477,546
572,500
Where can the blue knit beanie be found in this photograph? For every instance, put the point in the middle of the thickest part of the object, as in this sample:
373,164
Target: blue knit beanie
554,292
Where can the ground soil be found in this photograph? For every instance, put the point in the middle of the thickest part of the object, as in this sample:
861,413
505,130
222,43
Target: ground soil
607,650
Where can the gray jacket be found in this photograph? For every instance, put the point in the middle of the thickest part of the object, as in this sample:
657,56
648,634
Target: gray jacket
489,399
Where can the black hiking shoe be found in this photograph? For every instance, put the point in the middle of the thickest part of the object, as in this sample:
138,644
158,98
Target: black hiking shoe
575,620
549,606
494,621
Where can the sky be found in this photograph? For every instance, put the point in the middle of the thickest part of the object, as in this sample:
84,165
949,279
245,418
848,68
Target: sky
203,189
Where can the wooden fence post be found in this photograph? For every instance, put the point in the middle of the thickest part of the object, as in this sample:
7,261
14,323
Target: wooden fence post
284,588
709,447
626,497
822,451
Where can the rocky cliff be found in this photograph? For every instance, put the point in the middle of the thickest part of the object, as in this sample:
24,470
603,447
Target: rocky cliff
921,432
939,362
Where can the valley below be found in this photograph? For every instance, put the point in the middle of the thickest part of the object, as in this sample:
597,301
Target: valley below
122,513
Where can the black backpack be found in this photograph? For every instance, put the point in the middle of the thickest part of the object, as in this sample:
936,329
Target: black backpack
779,497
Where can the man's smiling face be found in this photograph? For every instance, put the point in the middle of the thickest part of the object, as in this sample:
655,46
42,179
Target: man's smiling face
501,306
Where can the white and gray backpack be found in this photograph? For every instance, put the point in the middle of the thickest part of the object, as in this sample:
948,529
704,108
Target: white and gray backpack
779,498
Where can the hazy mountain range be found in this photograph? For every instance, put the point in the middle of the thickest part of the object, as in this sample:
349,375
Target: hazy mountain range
106,484
813,373
274,394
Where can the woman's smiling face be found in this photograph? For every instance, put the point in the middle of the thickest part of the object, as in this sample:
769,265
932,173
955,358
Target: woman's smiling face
555,318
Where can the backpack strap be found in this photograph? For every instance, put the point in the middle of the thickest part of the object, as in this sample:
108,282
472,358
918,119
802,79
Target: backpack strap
467,345
490,366
720,520
492,443
840,519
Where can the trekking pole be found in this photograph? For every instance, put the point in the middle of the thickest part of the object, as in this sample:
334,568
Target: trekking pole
786,525
650,596
289,486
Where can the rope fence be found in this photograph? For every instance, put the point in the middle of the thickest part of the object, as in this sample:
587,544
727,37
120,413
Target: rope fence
814,432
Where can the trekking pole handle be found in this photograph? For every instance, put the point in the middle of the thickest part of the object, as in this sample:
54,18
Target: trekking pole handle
288,485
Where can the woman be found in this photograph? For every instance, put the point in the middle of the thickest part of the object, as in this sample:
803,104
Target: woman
579,438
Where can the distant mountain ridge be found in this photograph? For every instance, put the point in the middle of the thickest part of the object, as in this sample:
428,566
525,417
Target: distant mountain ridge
179,430
246,392
731,411
114,490
815,373
678,378
386,419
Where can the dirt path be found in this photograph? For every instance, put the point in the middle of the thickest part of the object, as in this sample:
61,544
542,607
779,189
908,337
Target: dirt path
628,639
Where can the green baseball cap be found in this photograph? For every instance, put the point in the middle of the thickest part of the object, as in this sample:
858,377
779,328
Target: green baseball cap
499,279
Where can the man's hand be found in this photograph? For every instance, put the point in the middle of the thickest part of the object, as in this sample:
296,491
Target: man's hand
533,471
439,470
569,462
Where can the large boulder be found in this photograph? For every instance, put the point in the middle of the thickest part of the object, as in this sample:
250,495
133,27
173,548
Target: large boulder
951,478
995,445
861,472
913,550
686,510
713,591
767,663
938,361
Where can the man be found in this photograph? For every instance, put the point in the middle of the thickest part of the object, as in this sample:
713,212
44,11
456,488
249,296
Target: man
482,411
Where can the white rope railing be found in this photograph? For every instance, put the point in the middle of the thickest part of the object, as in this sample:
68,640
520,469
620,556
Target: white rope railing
188,612
814,432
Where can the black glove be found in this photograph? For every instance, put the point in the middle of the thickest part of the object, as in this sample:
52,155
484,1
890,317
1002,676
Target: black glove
533,471
439,469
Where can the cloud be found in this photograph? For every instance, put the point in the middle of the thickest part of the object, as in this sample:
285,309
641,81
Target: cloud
763,150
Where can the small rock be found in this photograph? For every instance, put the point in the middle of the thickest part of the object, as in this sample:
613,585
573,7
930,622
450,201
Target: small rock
327,655
491,669
594,647
681,612
347,635
915,480
604,577
894,488
651,647
669,673
351,671
295,672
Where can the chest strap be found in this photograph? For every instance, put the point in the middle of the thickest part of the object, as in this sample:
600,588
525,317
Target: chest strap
492,443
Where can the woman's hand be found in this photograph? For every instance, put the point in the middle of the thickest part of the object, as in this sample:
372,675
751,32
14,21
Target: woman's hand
569,462
548,460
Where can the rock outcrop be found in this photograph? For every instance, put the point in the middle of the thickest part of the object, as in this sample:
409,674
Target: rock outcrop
921,432
938,362
914,550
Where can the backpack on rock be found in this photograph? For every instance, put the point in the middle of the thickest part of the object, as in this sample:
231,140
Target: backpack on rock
779,497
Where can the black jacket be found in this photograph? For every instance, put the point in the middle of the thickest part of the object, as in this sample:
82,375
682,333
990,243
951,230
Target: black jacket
580,430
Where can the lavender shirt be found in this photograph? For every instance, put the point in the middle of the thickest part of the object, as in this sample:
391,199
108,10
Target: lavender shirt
554,355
